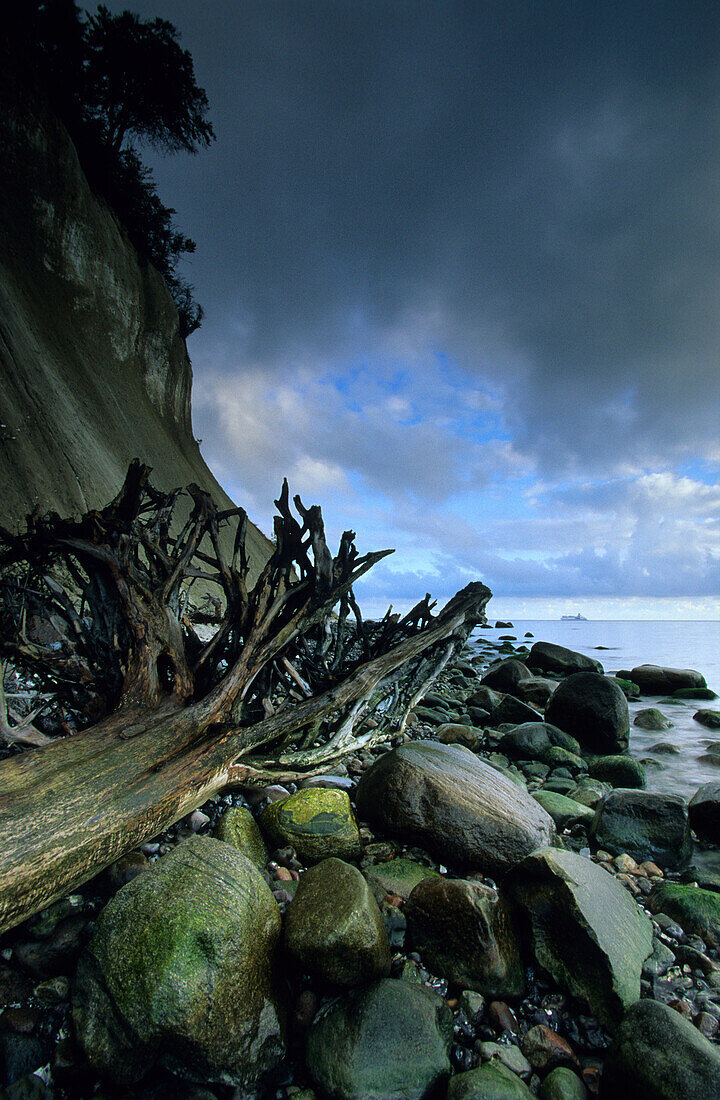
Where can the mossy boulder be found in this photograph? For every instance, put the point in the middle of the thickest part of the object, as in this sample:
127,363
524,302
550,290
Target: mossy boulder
593,709
704,812
465,931
492,1081
389,1041
397,876
708,718
586,930
179,972
238,827
651,719
562,1084
457,807
317,822
646,825
697,911
658,1055
619,771
334,929
563,810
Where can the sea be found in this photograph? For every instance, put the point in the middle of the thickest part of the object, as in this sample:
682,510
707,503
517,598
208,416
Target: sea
623,644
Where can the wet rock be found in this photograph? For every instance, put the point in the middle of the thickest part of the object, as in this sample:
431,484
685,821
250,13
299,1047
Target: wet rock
464,931
502,1018
697,911
586,930
332,782
619,771
238,827
514,711
651,719
658,1055
545,1049
646,825
56,954
664,748
457,733
593,709
398,876
179,971
389,1041
505,675
456,806
127,868
549,657
588,791
333,927
491,1081
695,693
628,688
656,680
536,691
318,823
563,810
534,740
704,812
508,1055
562,1084
708,718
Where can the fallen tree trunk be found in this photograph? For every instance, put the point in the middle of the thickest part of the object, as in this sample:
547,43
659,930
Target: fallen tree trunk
282,687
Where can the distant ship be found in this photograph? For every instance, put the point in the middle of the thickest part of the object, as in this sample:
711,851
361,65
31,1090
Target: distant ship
573,618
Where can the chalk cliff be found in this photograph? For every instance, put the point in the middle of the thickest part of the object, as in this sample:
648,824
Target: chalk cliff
93,370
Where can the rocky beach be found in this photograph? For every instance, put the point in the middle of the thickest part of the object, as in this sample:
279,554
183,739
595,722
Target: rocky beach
488,905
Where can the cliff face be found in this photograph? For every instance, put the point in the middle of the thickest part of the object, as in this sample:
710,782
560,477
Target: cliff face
93,371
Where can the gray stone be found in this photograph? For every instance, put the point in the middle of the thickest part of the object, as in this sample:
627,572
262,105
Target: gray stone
593,709
535,739
586,929
464,931
658,1055
457,733
651,719
179,971
563,810
549,657
656,680
454,805
514,711
646,825
333,927
389,1041
505,675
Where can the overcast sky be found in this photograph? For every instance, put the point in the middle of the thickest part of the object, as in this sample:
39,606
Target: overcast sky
460,271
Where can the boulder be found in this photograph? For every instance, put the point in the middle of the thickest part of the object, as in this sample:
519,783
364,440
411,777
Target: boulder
238,827
514,711
536,691
491,1081
333,927
695,693
563,810
485,698
586,930
457,733
179,972
697,911
651,719
704,812
389,1041
588,791
562,1084
656,680
708,718
646,825
619,771
658,1055
505,675
316,822
454,805
533,740
397,876
593,709
549,657
464,931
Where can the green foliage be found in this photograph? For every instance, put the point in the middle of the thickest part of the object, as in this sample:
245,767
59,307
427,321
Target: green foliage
118,81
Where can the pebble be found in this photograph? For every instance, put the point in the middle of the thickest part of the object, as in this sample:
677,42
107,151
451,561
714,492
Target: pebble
197,821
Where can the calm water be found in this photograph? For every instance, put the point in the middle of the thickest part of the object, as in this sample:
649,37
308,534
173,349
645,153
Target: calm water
630,643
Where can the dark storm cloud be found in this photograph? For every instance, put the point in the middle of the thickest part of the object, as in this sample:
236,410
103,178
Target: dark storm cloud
535,183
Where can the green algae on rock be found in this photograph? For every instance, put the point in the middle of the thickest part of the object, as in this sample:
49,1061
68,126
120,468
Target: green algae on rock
238,827
333,926
179,972
491,1081
697,911
317,822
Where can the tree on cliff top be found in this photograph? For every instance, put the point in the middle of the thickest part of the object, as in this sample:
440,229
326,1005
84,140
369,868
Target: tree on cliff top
118,80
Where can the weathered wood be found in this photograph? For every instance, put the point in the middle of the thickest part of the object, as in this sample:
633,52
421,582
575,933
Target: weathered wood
69,809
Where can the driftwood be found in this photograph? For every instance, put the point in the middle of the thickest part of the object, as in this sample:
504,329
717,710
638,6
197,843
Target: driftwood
95,612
